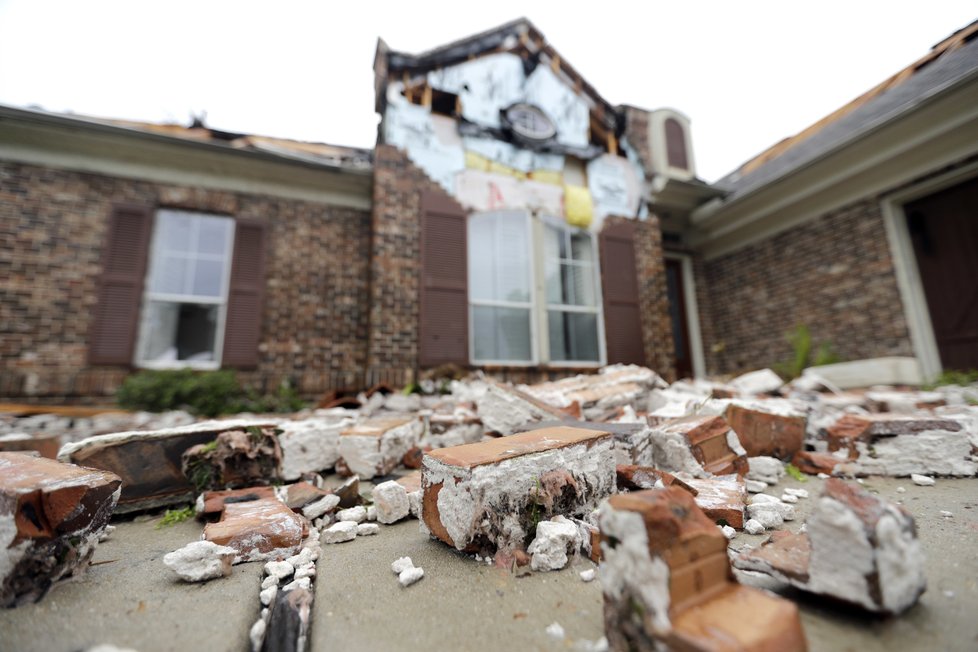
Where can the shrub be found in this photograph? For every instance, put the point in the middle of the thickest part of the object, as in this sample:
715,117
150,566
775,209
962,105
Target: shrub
801,353
208,393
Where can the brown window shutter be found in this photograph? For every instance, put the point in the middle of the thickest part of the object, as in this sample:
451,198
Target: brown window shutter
619,287
120,288
242,326
444,318
676,145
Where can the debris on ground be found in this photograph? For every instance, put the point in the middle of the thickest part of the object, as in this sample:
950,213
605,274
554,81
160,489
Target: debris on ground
856,548
667,582
52,516
495,492
200,561
376,446
260,529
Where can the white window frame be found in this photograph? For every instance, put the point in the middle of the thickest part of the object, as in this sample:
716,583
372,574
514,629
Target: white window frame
221,302
538,305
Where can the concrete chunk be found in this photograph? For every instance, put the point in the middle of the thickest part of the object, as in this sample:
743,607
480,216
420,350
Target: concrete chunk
856,547
200,561
667,582
51,518
310,445
391,501
491,494
506,410
376,446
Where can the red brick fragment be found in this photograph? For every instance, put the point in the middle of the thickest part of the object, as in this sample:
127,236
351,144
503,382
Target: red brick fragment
766,432
258,529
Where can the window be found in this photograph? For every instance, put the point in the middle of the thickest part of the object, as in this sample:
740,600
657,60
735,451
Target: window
533,292
186,291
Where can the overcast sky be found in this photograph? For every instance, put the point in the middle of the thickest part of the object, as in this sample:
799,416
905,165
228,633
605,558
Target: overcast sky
746,73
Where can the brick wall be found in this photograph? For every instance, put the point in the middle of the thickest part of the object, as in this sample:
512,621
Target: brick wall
652,295
52,229
833,274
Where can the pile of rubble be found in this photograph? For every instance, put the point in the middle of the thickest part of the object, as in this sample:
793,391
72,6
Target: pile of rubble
651,480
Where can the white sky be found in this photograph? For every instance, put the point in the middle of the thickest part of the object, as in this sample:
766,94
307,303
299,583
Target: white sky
747,73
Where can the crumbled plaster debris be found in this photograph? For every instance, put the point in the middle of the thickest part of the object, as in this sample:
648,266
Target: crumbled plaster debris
409,576
553,540
856,547
200,561
789,498
299,583
755,486
765,469
753,526
391,501
555,631
269,581
497,490
371,513
357,514
401,564
922,480
310,445
798,493
257,634
947,514
728,532
762,381
325,504
901,489
267,595
587,575
376,446
506,410
279,569
309,570
340,532
367,529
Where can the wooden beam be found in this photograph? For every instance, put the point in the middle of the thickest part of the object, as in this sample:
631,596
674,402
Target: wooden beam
426,96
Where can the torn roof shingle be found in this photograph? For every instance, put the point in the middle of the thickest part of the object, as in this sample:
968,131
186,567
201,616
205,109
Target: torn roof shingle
949,63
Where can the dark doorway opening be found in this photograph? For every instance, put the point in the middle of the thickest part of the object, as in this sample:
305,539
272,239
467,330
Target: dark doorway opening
678,316
944,230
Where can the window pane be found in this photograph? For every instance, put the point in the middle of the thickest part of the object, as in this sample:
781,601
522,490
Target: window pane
573,336
578,283
175,231
501,334
178,332
170,274
499,268
214,235
209,278
582,247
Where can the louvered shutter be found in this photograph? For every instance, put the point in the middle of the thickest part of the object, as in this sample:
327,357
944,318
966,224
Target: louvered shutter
120,288
444,301
242,325
619,286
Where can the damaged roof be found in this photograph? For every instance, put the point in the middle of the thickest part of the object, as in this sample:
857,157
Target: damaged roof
518,36
336,157
950,63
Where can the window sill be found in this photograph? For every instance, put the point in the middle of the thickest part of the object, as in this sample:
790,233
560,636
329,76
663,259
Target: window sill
581,367
178,364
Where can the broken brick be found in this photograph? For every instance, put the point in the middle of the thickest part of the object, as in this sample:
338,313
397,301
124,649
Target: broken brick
211,503
377,446
855,547
149,462
814,463
51,517
772,427
258,529
667,582
310,445
899,445
47,444
453,429
242,457
631,477
698,445
722,498
493,493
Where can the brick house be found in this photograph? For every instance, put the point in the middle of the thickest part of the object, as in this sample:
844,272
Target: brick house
509,219
864,227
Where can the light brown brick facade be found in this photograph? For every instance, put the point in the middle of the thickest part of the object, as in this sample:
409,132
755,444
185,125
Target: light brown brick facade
52,230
